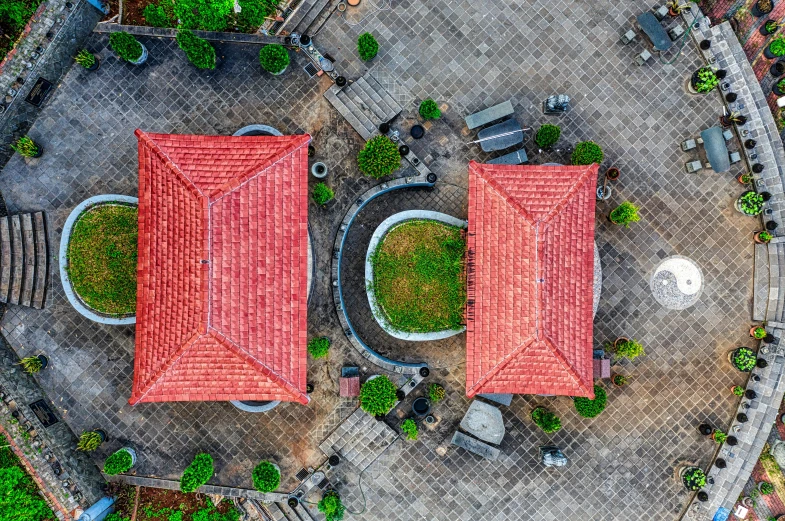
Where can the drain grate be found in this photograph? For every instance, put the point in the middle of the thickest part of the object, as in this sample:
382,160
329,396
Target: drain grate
311,69
323,484
302,475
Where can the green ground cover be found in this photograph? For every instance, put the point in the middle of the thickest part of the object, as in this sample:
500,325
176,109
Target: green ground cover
14,15
20,499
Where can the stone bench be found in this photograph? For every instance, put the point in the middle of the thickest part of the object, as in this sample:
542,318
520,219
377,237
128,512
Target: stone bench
483,117
476,446
513,158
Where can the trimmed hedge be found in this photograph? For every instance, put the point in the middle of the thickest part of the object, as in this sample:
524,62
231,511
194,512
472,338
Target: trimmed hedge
119,462
125,46
319,347
430,110
206,15
377,396
547,135
409,427
266,477
322,194
591,408
367,46
546,420
379,157
331,506
198,50
587,153
197,473
274,58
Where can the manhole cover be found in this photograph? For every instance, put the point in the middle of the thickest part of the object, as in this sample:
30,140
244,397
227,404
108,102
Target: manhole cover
677,282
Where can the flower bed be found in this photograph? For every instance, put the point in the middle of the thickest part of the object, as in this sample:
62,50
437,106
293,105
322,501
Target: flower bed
101,258
418,276
168,505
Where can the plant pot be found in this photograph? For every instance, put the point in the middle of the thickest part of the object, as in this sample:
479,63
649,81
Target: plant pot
732,387
612,173
400,395
731,97
334,460
720,74
742,418
753,328
384,128
132,452
702,496
777,70
340,81
760,363
613,380
771,226
768,54
620,339
424,372
305,40
292,502
673,13
705,429
769,338
764,31
777,90
750,144
309,388
311,151
44,361
142,58
750,394
94,66
319,170
421,406
39,153
102,434
758,12
720,463
732,441
417,131
740,179
403,150
757,168
705,45
765,195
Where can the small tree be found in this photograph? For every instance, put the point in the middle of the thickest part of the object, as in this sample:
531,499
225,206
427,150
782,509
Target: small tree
274,58
587,153
125,46
629,348
319,347
409,427
266,477
322,194
89,441
367,46
430,110
331,506
547,135
377,396
624,214
197,473
766,488
198,50
379,157
119,462
546,420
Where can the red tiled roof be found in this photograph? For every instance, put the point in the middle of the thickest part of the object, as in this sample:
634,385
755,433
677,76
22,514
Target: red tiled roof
531,256
222,268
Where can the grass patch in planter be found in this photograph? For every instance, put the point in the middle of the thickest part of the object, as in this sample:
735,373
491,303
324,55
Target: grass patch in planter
274,58
377,396
266,477
591,408
125,46
419,278
198,50
197,473
102,258
379,157
367,46
14,15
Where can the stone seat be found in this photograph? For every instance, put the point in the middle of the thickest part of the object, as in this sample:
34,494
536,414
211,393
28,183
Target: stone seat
628,37
513,158
484,117
688,145
693,166
643,57
476,446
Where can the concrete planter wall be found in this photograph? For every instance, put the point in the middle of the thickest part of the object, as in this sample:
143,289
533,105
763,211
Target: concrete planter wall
383,229
73,298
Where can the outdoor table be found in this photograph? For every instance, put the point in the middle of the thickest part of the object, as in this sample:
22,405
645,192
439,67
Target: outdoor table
655,31
500,136
716,149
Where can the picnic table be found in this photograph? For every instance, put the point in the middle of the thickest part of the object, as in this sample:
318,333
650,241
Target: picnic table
716,149
655,31
500,136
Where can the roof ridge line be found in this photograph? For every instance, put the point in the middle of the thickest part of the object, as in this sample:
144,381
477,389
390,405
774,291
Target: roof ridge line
502,364
563,360
504,194
155,148
263,368
166,366
568,196
255,171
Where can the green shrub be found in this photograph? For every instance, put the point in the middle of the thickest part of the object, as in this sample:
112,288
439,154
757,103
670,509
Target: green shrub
694,478
125,46
197,473
430,110
377,396
777,46
274,58
706,80
771,26
546,420
409,427
379,157
547,136
620,380
719,436
89,441
322,194
624,214
253,12
207,15
751,203
759,333
331,506
591,408
766,488
319,347
19,497
587,153
744,359
436,393
198,50
158,15
629,348
266,477
85,58
31,364
367,46
14,15
119,462
765,237
738,390
25,146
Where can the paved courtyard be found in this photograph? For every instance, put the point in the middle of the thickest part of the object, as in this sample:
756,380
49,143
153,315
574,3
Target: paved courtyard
468,56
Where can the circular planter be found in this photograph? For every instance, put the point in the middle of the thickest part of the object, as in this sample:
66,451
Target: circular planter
732,441
403,150
94,66
305,40
376,239
778,69
255,406
730,359
742,418
102,433
334,460
417,131
612,173
424,372
705,429
142,58
737,205
604,193
258,130
132,452
765,31
758,12
768,54
421,406
319,170
73,298
703,496
340,81
682,472
750,394
777,90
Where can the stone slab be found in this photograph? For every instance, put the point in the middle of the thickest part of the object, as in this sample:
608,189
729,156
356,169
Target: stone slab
484,421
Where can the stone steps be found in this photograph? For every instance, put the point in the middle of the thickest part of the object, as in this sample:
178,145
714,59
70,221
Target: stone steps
313,13
283,512
316,26
359,125
299,12
365,104
395,108
24,259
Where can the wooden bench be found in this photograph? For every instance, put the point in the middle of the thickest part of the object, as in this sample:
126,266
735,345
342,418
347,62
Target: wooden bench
483,117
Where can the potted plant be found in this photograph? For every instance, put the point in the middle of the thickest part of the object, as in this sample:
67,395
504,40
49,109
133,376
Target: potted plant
765,488
128,48
734,118
587,153
33,364
704,80
757,332
377,395
274,58
331,506
87,60
674,8
749,203
624,214
197,473
322,194
625,347
119,462
409,427
743,359
546,420
589,408
26,147
319,347
379,157
779,87
198,50
737,390
612,174
762,7
705,429
367,46
750,394
719,436
429,110
776,48
693,478
266,476
744,179
90,440
619,380
547,136
436,392
770,27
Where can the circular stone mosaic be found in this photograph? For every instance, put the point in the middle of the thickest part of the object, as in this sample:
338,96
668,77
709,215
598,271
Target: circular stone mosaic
677,282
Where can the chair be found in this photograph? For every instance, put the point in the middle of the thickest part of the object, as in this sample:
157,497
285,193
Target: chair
676,33
628,37
643,57
688,145
735,157
693,166
660,12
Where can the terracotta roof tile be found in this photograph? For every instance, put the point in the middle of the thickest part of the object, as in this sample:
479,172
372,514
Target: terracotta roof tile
222,268
531,256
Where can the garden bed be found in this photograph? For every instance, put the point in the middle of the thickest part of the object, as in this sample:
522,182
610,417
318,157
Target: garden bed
157,504
14,15
101,258
220,16
16,484
418,277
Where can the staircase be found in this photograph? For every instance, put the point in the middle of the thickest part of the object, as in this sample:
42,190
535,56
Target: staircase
305,17
24,259
365,104
283,512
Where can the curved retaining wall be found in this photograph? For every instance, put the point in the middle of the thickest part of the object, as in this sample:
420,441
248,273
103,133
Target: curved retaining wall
65,237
